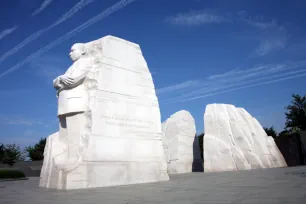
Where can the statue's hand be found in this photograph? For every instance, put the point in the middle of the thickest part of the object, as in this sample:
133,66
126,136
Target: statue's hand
66,80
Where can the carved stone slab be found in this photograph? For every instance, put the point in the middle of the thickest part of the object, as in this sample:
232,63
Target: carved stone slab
182,150
234,140
122,141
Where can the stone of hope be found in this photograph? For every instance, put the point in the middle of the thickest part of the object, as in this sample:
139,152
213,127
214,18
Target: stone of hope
109,120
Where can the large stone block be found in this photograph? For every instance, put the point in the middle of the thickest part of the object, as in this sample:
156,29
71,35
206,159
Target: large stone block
110,129
234,140
181,146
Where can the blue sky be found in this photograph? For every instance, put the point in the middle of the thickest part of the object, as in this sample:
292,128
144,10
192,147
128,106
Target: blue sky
247,53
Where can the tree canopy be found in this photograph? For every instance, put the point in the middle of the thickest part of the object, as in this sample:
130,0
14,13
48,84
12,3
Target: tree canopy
10,153
271,132
36,152
296,114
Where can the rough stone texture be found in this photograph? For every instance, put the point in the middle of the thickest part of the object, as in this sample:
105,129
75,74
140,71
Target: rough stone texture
181,146
121,142
260,186
234,140
49,175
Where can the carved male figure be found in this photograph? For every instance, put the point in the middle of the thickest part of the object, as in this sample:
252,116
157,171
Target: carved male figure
72,103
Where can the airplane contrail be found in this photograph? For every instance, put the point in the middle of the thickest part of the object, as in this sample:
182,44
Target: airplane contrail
119,5
209,88
238,88
6,32
42,7
81,4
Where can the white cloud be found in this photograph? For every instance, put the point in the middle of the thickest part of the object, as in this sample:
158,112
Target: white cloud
7,32
42,7
272,36
267,46
194,18
117,6
261,24
69,14
257,21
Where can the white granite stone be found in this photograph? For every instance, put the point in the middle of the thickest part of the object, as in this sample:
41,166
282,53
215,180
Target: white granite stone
181,146
276,157
110,129
54,146
234,140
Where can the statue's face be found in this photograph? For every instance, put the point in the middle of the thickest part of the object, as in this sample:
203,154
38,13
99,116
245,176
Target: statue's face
75,52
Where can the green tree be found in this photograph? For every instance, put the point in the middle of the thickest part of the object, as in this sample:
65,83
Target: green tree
1,152
284,132
296,114
11,154
271,132
36,152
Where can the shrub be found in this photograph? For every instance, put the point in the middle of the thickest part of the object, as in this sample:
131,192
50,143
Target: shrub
11,173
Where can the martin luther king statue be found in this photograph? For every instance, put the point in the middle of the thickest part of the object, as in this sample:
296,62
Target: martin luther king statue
72,103
109,120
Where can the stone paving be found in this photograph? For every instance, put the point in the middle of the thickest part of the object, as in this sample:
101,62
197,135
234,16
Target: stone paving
267,186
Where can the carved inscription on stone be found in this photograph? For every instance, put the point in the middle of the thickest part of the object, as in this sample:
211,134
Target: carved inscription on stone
126,122
120,140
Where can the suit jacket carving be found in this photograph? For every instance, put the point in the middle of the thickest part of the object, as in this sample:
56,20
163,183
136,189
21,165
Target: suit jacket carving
75,97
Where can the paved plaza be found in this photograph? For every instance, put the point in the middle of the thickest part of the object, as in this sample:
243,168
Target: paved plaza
267,186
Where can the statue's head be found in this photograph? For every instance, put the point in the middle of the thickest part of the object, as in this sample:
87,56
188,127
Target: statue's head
77,51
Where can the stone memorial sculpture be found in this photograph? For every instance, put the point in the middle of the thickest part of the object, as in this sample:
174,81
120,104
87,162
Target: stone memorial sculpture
109,120
181,146
234,140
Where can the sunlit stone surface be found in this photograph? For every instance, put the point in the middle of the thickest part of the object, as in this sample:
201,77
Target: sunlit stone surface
182,150
234,140
110,129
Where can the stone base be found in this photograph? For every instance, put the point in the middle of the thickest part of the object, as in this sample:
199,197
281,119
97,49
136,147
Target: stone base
102,174
89,174
176,167
179,168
